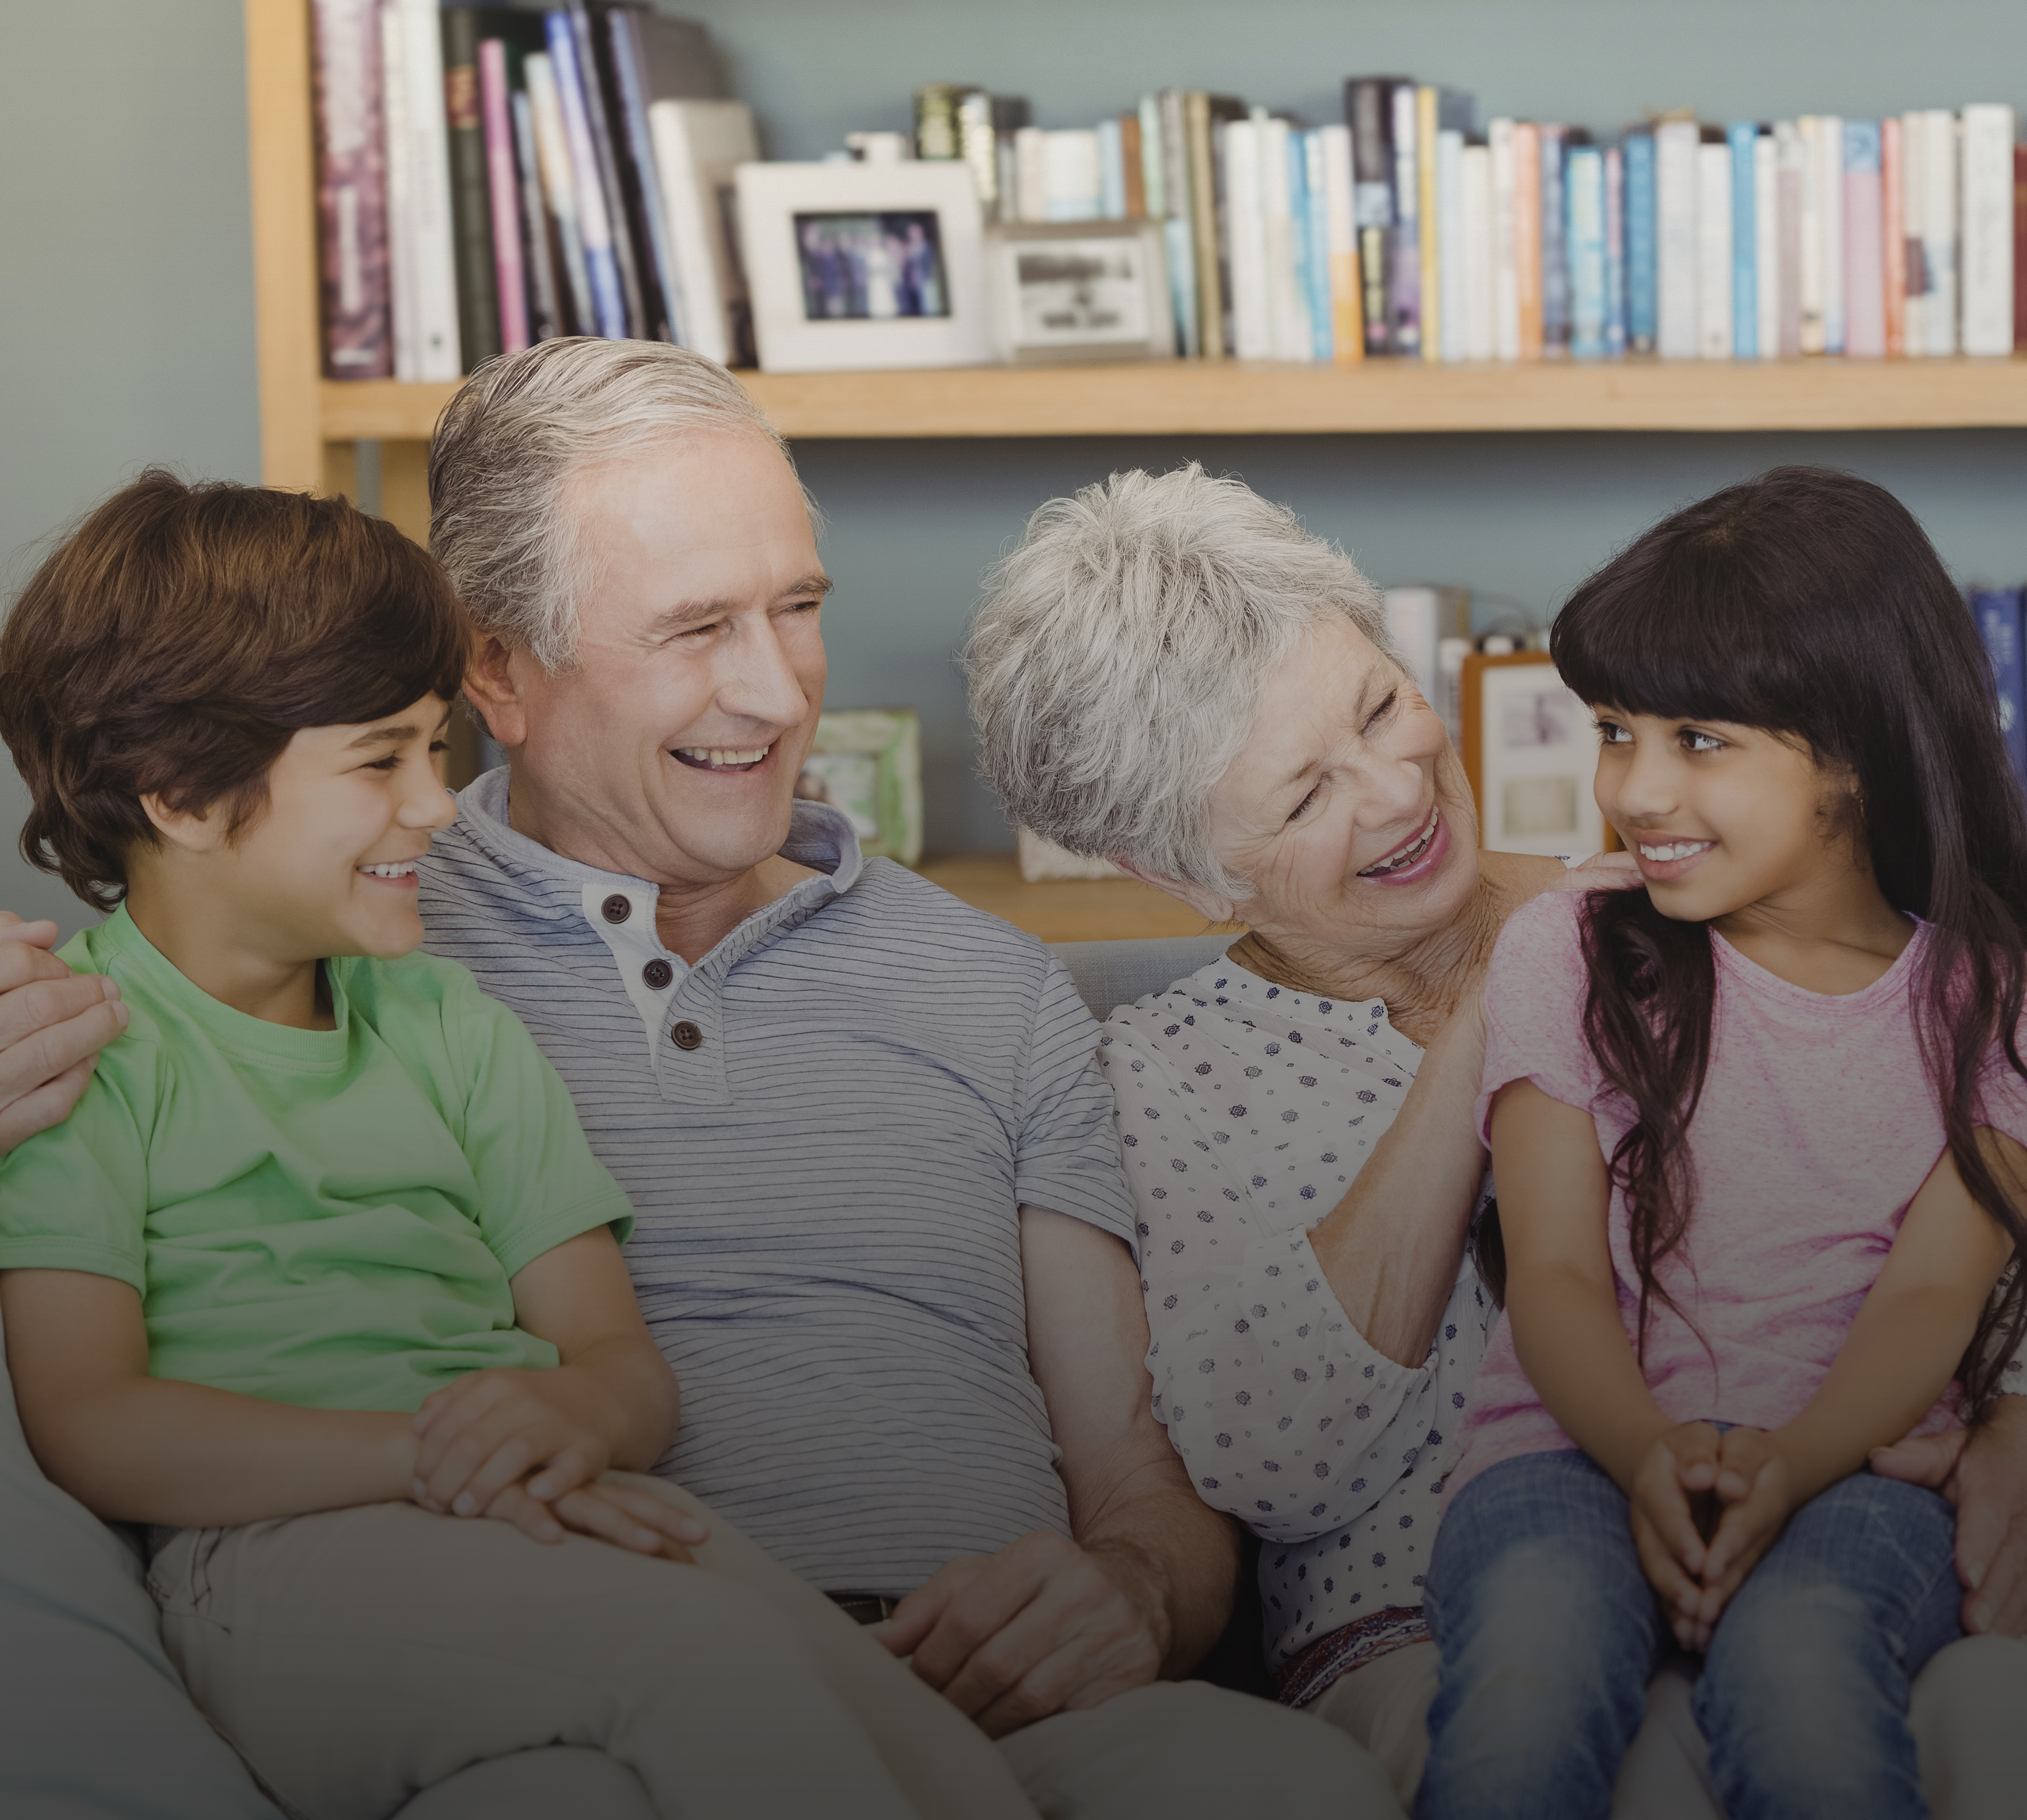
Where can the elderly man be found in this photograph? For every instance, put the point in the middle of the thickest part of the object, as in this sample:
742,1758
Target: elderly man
882,1221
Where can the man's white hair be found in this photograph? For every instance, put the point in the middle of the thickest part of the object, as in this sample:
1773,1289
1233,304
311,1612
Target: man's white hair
1116,665
506,450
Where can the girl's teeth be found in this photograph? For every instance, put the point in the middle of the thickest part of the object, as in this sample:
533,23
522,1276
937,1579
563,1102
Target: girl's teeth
1673,849
400,871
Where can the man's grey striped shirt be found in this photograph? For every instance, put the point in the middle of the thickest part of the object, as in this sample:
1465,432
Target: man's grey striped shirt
826,1178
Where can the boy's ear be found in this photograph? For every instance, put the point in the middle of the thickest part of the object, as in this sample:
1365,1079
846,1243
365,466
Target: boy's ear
1207,904
493,686
189,830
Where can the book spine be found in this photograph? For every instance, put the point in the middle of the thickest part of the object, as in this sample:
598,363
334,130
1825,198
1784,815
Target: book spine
1714,249
1368,114
1864,303
1615,251
1322,323
2019,248
351,194
470,197
594,224
712,318
1347,320
593,74
1790,181
1252,316
1556,330
1675,143
545,318
1133,174
1505,248
1584,175
1179,228
1475,187
1527,235
1111,171
1914,239
1814,338
1643,245
438,355
1892,238
1154,195
1939,229
503,195
1987,229
660,290
559,190
1766,247
1407,325
1288,333
1997,613
400,151
1072,183
1298,332
1030,163
1450,242
1830,148
1203,225
1431,275
1743,138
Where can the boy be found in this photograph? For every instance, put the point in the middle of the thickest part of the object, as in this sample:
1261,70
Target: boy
321,1262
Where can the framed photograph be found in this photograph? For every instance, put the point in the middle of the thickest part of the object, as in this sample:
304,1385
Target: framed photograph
1063,291
858,266
868,762
1530,753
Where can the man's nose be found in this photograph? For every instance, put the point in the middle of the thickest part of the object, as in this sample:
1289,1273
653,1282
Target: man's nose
759,682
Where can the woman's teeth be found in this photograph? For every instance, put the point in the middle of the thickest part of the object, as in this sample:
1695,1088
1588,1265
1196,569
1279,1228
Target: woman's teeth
1670,849
719,758
1408,854
398,868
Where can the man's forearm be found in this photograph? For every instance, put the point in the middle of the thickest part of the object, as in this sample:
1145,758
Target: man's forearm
1179,1559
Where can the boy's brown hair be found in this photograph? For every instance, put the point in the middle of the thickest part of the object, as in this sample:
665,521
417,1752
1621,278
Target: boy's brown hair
175,642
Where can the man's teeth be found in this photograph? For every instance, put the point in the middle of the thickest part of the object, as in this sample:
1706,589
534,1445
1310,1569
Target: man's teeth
1408,855
720,756
399,869
1672,850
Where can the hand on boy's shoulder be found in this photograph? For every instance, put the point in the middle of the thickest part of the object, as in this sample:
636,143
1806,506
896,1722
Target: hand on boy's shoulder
54,1022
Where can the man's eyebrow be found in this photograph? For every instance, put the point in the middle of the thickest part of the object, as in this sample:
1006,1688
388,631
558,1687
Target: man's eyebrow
693,612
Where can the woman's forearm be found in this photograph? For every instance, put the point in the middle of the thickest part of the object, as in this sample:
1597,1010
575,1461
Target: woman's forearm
1391,1248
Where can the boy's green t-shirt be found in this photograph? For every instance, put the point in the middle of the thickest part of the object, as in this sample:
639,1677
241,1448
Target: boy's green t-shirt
326,1218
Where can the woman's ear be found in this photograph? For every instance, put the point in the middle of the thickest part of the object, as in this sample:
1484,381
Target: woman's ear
189,831
1207,904
492,685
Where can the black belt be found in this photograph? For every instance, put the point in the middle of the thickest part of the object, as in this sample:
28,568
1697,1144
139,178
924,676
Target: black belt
864,1607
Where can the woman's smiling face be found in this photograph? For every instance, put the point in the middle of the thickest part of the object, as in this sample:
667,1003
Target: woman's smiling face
1347,808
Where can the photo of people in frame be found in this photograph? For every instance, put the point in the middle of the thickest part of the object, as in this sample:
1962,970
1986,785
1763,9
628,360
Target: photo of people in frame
871,267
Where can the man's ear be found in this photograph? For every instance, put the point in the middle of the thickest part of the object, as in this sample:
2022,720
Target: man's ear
189,831
1207,904
493,685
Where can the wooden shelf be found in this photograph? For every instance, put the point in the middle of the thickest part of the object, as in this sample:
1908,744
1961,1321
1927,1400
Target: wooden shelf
1081,909
1230,397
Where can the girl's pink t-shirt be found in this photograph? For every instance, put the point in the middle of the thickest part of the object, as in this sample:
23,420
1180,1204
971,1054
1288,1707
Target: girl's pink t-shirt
1816,1127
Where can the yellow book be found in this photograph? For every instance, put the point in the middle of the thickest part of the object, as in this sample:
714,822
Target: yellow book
1425,174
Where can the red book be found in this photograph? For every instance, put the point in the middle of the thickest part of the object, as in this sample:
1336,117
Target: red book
502,180
1893,247
352,191
1527,234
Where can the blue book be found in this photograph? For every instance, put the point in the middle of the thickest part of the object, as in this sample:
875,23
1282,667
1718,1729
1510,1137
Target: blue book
1322,329
1555,244
1615,252
1997,612
593,219
1743,135
1642,244
1300,254
1586,185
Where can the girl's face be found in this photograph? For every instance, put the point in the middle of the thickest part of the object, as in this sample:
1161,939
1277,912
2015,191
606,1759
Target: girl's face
1723,818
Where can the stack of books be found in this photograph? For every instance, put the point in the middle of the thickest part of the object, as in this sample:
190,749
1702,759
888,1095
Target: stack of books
1405,232
487,177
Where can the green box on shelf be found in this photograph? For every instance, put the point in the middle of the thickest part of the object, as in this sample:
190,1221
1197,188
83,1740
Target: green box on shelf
868,762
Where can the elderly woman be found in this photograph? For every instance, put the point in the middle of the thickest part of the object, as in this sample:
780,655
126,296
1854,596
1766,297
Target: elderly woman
1170,672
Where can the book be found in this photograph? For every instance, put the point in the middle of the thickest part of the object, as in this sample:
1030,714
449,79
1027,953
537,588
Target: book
430,243
1252,313
1133,176
1714,251
594,219
1476,263
352,191
1643,244
1584,177
1743,138
623,65
1864,268
698,145
1914,242
1814,306
1615,251
1153,165
502,194
1829,151
1287,308
1179,228
1767,246
1997,612
1505,257
1676,299
1554,141
1406,336
1073,185
1939,236
1892,237
1347,320
1111,171
398,154
1317,249
471,194
559,175
2019,248
1430,276
1368,114
1790,179
538,252
1527,236
1987,254
1202,113
1221,204
1450,278
594,74
676,58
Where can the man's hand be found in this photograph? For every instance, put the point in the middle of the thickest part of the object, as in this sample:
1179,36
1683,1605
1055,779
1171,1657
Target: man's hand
626,1517
1985,1475
492,1430
52,1023
1673,1486
1044,1627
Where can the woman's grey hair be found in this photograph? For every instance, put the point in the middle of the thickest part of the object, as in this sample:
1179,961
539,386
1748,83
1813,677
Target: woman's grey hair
507,447
1116,666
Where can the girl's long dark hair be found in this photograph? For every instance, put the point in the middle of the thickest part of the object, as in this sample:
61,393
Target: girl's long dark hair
1810,603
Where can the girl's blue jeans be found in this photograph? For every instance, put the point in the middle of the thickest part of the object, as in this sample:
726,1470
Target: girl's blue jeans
1549,1632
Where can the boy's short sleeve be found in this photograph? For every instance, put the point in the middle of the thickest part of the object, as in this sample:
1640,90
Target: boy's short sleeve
76,1196
1534,1008
538,1182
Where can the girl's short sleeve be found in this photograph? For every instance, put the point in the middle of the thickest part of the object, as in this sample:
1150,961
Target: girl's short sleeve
1534,1007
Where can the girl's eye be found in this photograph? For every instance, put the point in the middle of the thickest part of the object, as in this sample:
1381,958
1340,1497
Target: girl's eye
391,762
1696,742
1611,733
440,745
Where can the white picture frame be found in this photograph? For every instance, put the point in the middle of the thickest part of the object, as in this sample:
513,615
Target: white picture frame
1531,754
1066,291
858,266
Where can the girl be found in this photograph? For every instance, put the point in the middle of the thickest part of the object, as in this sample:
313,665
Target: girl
1757,1130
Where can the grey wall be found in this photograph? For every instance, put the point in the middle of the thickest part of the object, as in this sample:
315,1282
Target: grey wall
126,308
